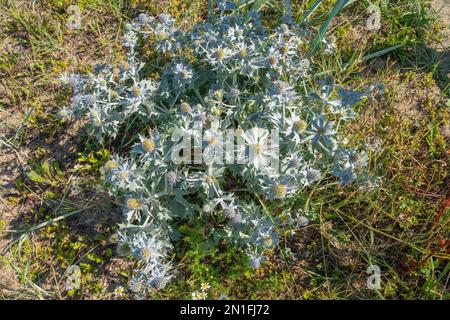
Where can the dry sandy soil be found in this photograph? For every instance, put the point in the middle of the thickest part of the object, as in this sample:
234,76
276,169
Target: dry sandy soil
444,6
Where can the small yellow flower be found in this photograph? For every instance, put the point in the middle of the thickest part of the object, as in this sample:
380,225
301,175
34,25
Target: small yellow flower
268,241
185,107
217,112
97,122
147,253
148,145
273,60
95,114
218,95
114,95
136,91
124,66
119,291
220,54
123,175
110,165
300,126
281,190
259,148
161,35
212,140
133,204
184,74
204,286
284,49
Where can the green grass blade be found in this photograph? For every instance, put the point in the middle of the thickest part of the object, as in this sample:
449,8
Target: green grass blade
323,29
310,11
210,10
382,52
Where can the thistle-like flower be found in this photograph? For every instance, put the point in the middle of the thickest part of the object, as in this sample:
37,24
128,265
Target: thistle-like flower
148,148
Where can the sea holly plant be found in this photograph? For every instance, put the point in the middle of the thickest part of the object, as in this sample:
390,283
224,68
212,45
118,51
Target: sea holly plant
236,117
